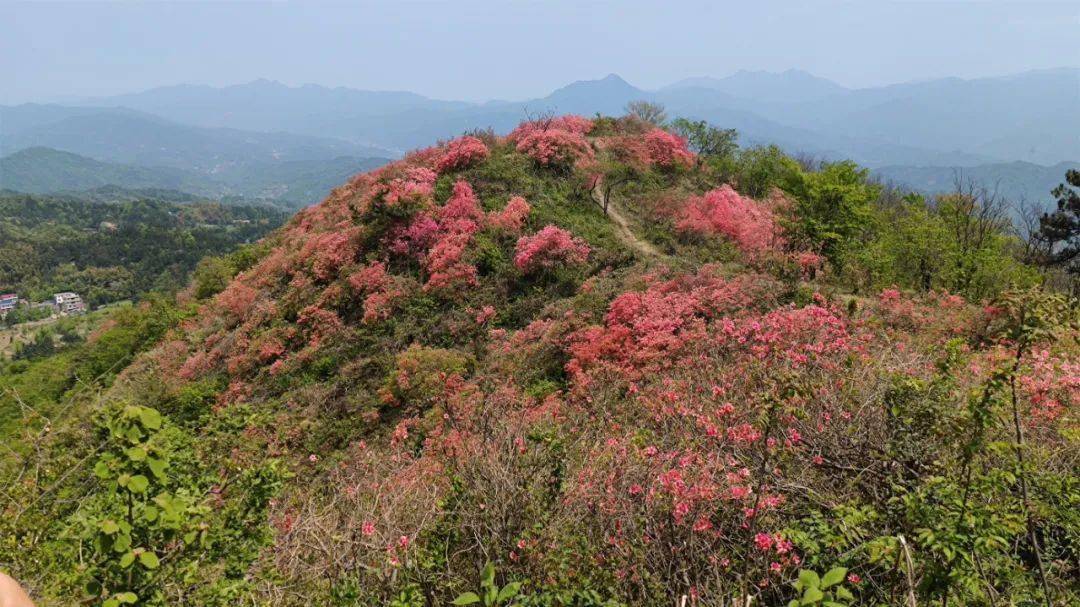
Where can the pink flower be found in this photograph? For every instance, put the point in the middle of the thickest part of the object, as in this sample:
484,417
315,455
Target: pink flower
763,541
313,458
485,314
368,528
854,578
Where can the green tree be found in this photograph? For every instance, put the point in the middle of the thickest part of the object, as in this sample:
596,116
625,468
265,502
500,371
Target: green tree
1057,242
707,140
833,206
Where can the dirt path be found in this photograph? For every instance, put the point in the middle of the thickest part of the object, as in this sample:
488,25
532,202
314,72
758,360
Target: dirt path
622,226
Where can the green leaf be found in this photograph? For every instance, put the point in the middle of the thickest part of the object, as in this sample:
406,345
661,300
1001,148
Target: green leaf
832,604
127,597
809,579
156,466
136,454
149,560
833,577
150,418
812,595
138,483
509,591
101,470
793,603
844,593
111,603
466,599
127,559
109,527
123,479
122,542
150,514
487,576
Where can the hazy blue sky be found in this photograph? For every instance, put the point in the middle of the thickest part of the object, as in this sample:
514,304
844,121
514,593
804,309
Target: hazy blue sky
511,49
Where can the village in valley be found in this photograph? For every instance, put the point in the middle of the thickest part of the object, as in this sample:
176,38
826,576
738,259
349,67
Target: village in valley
22,320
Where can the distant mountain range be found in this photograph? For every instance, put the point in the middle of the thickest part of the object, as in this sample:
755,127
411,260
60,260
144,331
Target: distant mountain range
1015,181
239,137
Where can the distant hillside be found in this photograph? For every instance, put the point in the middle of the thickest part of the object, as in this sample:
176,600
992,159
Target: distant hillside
292,183
40,170
115,250
1014,180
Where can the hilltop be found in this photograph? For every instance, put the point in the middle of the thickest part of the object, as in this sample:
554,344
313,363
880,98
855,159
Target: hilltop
590,362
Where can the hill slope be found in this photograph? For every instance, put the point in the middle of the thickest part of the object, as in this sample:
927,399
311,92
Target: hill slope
44,170
461,358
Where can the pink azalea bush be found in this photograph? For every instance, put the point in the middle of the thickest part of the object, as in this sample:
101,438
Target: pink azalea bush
666,149
512,217
722,211
549,248
462,153
555,143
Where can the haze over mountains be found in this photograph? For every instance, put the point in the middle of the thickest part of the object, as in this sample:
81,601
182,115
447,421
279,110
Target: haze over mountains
234,139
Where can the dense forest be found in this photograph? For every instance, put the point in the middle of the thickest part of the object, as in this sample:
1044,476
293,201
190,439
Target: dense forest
112,251
596,362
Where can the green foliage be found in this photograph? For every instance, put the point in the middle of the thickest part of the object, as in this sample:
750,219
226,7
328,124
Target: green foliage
825,590
707,140
760,169
490,595
139,518
832,207
107,252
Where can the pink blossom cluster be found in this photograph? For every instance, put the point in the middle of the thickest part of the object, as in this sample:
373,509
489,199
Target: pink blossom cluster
551,247
651,330
724,212
666,149
379,289
512,217
462,153
557,142
458,220
1052,385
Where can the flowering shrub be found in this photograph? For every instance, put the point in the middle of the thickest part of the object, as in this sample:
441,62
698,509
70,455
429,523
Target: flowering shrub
444,263
458,220
462,153
512,217
724,212
556,143
462,212
549,248
416,238
666,149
